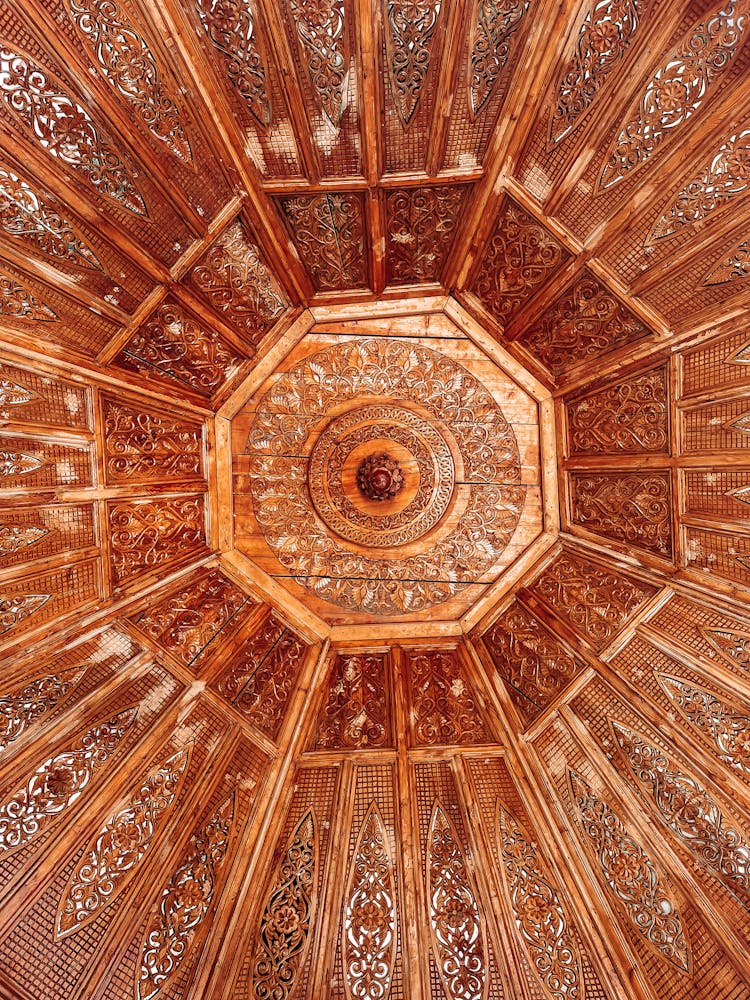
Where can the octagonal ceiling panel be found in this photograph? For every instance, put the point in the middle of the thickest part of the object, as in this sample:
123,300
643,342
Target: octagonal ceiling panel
388,469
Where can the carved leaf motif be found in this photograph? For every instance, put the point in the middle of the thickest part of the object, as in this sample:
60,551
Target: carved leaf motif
184,903
14,537
714,719
58,782
231,28
128,64
64,128
689,811
634,508
111,859
742,356
34,700
264,698
27,215
16,608
677,89
541,921
458,936
13,394
734,268
285,924
733,646
147,533
140,445
15,463
421,225
444,709
19,303
409,31
321,29
519,257
356,712
328,230
369,927
496,23
629,417
603,40
631,876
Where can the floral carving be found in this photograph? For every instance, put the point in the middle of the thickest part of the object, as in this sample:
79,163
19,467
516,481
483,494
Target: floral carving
184,623
677,89
535,665
264,697
321,30
631,876
18,607
109,862
16,463
714,719
496,23
735,267
328,230
244,664
147,533
27,215
34,700
726,176
184,903
458,936
173,344
368,942
689,811
128,64
239,285
15,537
409,31
140,446
231,28
58,782
520,255
733,646
634,508
541,921
421,225
603,39
356,712
287,916
585,322
444,709
64,128
629,417
19,303
596,602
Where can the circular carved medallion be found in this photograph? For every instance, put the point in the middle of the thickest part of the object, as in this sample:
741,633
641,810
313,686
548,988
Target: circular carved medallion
379,477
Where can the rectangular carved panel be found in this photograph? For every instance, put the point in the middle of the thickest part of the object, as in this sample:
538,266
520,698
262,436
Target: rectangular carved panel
446,706
356,712
34,463
723,426
30,397
719,552
635,508
421,224
329,233
29,603
717,364
28,533
717,492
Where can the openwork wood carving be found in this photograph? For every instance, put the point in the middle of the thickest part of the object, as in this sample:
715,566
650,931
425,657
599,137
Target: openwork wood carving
519,256
629,417
287,917
496,23
444,709
458,935
17,608
184,903
631,876
632,507
320,25
356,712
733,646
734,267
109,862
58,782
369,936
146,533
409,31
231,29
16,537
421,225
128,64
19,303
689,811
33,701
542,923
329,232
678,89
61,126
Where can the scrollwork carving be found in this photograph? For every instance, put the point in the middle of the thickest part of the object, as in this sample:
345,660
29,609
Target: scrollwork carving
14,394
631,876
734,267
444,709
15,537
34,700
732,645
140,446
110,860
629,417
16,463
18,607
496,23
18,303
64,128
329,232
632,507
321,29
146,533
265,696
421,225
129,66
356,712
409,31
458,935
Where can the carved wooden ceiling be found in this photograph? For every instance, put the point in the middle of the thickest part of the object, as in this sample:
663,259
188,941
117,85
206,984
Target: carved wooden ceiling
374,508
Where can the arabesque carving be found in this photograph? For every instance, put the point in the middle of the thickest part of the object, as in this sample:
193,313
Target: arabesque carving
356,712
734,267
185,900
141,446
631,876
458,934
369,936
129,66
629,417
64,128
542,923
329,232
16,608
716,720
16,463
19,303
732,645
408,32
148,533
58,782
320,25
16,537
265,697
444,708
496,23
677,89
22,707
111,859
421,226
630,507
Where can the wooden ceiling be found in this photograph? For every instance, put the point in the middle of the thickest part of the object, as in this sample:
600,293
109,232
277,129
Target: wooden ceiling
498,747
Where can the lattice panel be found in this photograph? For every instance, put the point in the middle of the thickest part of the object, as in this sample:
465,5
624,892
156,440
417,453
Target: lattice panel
27,604
727,555
719,363
30,397
286,920
446,705
634,508
595,602
717,427
33,463
357,710
189,620
710,633
718,493
29,533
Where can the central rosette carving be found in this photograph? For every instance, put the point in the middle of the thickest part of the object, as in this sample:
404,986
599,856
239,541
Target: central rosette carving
379,477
